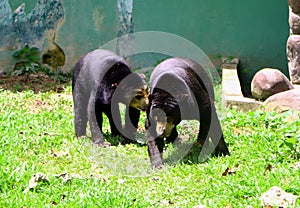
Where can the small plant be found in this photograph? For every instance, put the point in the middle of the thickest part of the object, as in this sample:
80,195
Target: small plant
30,69
60,76
293,145
29,61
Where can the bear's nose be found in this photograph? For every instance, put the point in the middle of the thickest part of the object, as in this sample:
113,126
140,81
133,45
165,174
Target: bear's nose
145,106
160,130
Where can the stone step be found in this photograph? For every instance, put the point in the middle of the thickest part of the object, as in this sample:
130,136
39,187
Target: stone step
232,96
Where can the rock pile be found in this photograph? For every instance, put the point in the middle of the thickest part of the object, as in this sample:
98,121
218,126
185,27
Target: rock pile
293,42
275,89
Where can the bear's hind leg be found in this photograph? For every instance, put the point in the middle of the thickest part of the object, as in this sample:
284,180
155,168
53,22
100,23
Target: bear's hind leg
97,135
210,127
204,129
99,117
114,120
80,101
217,137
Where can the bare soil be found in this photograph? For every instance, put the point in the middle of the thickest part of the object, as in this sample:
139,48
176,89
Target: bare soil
39,82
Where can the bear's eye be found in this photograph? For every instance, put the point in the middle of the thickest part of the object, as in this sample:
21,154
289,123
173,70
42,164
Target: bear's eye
138,97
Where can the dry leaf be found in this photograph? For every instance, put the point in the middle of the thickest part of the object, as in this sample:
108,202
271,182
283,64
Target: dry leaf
62,197
155,178
53,203
230,171
269,168
56,153
64,176
35,179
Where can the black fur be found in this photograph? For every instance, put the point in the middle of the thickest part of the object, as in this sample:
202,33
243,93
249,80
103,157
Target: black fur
97,77
183,91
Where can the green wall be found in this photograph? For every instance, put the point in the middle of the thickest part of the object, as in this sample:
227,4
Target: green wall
254,31
88,25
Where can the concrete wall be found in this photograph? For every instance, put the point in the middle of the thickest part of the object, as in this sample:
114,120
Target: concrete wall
254,31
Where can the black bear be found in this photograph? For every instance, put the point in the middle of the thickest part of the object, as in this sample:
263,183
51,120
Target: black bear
100,82
180,89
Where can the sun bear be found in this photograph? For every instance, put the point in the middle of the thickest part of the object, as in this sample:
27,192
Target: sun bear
180,89
101,81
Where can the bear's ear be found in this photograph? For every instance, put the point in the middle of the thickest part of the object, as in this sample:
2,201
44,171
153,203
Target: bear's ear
143,76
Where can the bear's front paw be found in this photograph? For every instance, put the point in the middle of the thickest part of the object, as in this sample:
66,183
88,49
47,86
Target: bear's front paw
81,137
156,162
102,143
157,166
221,152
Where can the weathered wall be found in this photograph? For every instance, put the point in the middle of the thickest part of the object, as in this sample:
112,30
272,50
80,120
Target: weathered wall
77,29
255,31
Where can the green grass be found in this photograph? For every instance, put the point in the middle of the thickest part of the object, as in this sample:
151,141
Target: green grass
264,148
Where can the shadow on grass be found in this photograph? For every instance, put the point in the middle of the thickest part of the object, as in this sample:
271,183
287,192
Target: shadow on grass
129,160
186,153
116,140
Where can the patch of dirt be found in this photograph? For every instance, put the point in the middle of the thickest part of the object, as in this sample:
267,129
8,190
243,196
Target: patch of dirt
38,105
39,82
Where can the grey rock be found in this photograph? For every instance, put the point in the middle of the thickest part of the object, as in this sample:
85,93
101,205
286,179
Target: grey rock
293,56
284,101
267,82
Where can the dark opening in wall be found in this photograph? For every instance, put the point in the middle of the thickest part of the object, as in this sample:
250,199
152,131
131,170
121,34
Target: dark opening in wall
245,77
54,57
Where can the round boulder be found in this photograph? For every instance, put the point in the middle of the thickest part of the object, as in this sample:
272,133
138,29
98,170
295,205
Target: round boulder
284,101
267,82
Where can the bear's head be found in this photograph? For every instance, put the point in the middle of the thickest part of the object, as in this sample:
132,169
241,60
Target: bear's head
163,124
134,89
164,113
140,99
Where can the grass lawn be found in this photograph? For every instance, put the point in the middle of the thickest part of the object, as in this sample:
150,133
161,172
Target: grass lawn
36,135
